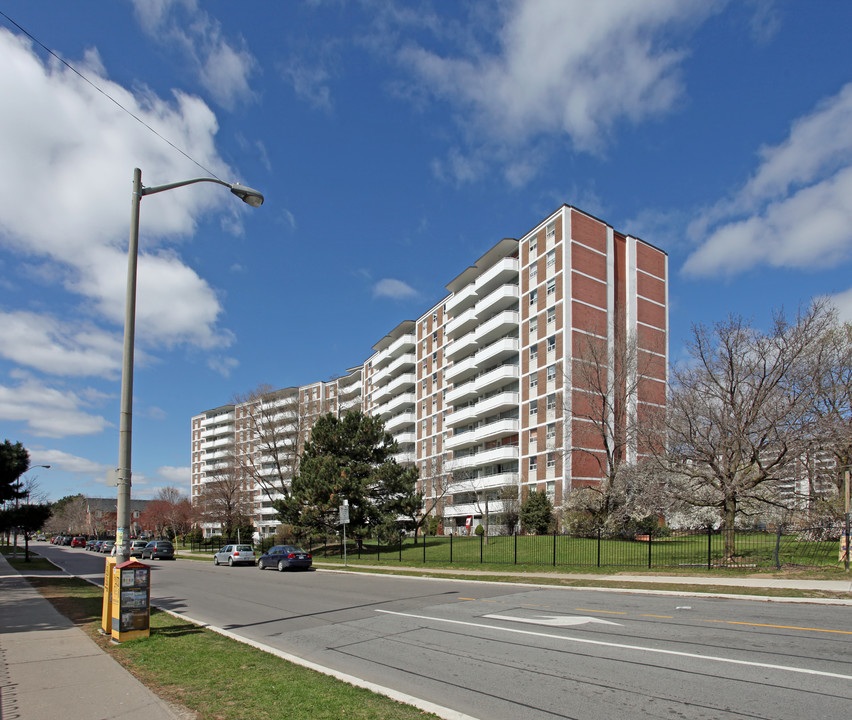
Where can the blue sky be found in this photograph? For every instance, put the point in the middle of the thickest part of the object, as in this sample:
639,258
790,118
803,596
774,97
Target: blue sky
395,142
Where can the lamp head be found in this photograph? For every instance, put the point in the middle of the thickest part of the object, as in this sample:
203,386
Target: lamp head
247,194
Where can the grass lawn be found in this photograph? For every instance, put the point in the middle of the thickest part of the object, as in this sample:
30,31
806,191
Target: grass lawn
219,678
22,565
695,550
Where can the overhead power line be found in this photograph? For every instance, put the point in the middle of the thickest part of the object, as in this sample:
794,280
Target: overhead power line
108,96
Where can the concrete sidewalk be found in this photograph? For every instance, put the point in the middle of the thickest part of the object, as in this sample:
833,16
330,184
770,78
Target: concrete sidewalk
51,670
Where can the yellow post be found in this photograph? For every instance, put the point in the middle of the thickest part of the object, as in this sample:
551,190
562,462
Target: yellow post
106,613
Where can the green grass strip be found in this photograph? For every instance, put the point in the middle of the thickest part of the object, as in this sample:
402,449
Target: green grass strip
220,678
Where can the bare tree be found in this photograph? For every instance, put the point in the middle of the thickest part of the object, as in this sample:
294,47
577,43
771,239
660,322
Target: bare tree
830,375
738,413
169,511
225,500
275,425
433,488
607,379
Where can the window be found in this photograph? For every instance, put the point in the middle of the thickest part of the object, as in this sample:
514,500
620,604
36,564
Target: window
551,460
533,297
533,463
551,402
551,343
533,244
533,354
533,438
434,317
534,326
551,316
551,258
533,271
551,287
534,407
551,231
551,372
435,337
551,431
534,381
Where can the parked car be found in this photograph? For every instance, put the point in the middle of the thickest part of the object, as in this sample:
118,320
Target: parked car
285,557
106,547
136,547
90,544
97,546
235,555
78,541
158,549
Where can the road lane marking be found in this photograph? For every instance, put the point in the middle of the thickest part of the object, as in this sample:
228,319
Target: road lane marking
788,627
555,620
608,612
666,617
623,646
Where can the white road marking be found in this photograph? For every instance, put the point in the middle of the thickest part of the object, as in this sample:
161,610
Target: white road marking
554,620
623,646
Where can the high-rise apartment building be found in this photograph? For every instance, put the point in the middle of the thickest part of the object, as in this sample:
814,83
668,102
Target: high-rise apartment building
486,391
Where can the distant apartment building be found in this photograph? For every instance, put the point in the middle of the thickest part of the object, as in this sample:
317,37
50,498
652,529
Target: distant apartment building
480,392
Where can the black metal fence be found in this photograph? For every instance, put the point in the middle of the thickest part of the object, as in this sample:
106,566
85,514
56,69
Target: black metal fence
704,548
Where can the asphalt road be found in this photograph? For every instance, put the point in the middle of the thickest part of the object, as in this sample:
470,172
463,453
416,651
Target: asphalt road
499,651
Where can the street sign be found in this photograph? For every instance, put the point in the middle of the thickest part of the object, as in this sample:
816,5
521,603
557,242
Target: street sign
344,514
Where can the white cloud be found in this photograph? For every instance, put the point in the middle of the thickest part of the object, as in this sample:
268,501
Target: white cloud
48,411
60,460
564,67
57,347
174,475
223,365
396,289
794,211
843,302
74,152
223,67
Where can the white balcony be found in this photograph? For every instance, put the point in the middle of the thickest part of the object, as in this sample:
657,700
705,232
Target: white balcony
464,298
497,403
462,347
403,362
484,433
461,370
494,507
503,298
394,405
402,344
462,393
504,323
502,272
405,438
218,430
496,378
506,453
398,422
461,324
402,382
462,416
502,349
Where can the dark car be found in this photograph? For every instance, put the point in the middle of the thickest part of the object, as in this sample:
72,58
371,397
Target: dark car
159,549
285,557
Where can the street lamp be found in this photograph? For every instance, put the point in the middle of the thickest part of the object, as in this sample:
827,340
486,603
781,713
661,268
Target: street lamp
247,195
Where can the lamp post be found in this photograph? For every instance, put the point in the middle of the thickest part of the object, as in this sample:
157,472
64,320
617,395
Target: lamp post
122,525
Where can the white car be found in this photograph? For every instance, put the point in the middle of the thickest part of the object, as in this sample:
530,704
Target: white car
235,555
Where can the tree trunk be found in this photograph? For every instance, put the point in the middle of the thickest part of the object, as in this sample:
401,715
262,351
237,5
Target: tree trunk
730,516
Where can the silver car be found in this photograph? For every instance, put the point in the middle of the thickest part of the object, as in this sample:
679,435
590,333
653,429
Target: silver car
235,555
